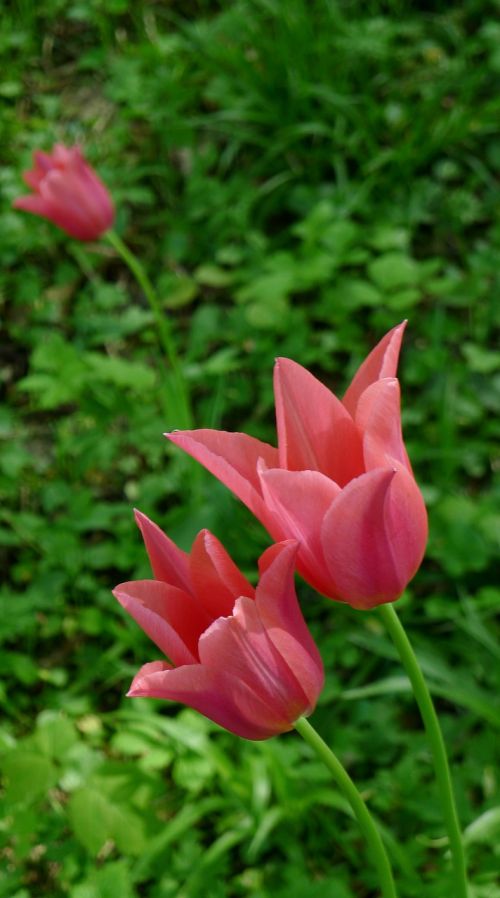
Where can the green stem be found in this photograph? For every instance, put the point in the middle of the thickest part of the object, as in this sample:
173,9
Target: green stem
361,812
164,332
435,736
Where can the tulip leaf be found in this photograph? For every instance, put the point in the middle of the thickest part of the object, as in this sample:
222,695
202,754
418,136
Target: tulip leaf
441,681
387,686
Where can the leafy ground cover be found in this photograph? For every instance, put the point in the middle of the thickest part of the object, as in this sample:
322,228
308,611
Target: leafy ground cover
297,178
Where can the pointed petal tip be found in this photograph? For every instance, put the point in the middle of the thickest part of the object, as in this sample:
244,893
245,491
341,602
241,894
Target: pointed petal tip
396,334
286,550
137,692
122,596
284,362
205,537
143,522
381,362
385,476
286,547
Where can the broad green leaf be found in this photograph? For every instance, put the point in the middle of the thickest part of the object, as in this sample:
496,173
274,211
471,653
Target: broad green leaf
110,881
393,271
179,293
122,372
403,299
55,734
29,776
213,276
127,830
91,817
481,359
268,316
353,293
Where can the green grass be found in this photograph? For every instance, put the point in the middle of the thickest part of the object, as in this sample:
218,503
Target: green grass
296,178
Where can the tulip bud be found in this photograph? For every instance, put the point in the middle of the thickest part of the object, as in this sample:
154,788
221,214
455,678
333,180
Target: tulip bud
241,656
340,482
67,192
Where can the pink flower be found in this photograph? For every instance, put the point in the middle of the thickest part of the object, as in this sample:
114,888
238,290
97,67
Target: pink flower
340,482
242,657
68,192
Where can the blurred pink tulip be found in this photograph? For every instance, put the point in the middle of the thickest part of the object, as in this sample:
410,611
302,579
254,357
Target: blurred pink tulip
340,482
242,657
68,193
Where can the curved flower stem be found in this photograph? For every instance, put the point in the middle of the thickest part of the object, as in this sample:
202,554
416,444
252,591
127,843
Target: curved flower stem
435,736
361,812
180,390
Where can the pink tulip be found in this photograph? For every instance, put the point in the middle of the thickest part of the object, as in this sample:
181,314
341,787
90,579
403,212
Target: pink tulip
68,192
241,656
340,482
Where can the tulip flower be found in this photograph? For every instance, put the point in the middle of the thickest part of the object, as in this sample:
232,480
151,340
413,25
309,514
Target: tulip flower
67,191
340,481
241,656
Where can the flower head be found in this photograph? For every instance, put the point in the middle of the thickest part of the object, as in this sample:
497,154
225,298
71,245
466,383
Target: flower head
67,191
340,481
241,656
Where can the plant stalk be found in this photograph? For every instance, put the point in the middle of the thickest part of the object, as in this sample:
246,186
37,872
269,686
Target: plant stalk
361,812
178,391
438,749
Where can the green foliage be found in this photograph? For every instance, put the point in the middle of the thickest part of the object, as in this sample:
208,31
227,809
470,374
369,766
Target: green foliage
297,178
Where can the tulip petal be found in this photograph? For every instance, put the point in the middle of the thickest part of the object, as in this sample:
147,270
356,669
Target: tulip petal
240,644
99,206
378,417
42,164
315,432
407,524
138,684
299,501
33,203
168,562
381,362
68,193
217,694
217,582
74,205
374,537
171,618
63,157
280,613
232,458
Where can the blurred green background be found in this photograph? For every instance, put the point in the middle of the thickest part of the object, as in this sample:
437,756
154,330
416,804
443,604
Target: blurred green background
297,177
